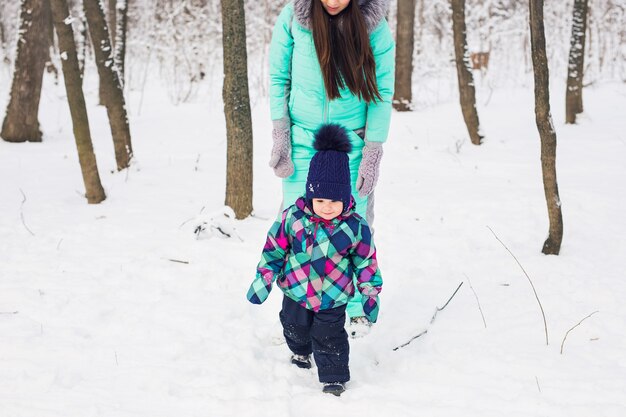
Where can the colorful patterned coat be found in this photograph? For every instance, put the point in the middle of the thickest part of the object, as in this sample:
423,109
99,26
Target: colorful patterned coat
314,261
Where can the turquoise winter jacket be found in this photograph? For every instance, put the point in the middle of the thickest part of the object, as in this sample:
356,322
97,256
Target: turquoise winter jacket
297,93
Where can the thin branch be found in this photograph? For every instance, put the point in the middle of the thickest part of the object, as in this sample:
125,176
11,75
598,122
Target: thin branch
537,380
180,262
447,302
22,213
543,314
191,218
477,300
410,340
566,333
9,312
438,309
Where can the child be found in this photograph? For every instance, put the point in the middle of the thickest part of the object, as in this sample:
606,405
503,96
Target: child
313,252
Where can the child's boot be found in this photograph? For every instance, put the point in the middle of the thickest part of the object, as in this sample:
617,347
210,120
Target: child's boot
301,361
335,388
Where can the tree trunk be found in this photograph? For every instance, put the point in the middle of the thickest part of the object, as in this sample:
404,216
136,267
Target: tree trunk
109,79
237,109
21,122
81,37
575,68
120,38
404,55
467,93
112,19
543,118
73,85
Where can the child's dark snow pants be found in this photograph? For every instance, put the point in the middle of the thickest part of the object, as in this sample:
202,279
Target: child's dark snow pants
321,333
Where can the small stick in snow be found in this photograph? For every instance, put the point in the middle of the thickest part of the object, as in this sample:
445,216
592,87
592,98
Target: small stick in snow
438,309
410,340
197,163
543,314
9,312
537,380
22,213
447,302
180,262
116,362
566,333
191,218
477,301
59,244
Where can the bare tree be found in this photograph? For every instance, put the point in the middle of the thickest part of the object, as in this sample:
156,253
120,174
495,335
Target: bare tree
78,10
467,92
404,55
543,118
73,85
575,67
21,122
113,94
237,109
112,19
120,37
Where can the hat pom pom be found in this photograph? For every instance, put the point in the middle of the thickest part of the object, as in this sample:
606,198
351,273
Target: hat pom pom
332,137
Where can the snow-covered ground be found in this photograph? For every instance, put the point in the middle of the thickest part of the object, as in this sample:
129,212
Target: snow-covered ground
117,309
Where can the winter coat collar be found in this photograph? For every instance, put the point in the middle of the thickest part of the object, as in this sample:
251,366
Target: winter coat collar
373,12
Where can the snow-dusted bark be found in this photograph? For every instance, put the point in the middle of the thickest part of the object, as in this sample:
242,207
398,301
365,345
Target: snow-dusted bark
109,80
21,122
404,55
73,85
552,245
120,37
467,92
576,65
237,110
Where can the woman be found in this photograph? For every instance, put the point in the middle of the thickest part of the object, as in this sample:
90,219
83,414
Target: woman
331,61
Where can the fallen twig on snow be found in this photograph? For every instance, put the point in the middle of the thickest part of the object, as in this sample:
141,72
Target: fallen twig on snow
180,262
566,333
543,314
477,300
9,312
446,304
191,218
22,213
437,310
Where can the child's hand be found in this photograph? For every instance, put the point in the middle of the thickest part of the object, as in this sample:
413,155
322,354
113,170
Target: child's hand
259,290
370,307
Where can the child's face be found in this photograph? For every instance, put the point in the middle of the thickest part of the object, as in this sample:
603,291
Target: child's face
327,209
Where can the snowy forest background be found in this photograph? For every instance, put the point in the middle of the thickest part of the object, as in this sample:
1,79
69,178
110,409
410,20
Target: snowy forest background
179,43
136,306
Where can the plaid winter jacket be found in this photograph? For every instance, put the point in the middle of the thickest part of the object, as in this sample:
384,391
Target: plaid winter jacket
314,261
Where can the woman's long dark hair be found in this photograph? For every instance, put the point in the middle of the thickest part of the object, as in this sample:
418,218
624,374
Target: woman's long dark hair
344,52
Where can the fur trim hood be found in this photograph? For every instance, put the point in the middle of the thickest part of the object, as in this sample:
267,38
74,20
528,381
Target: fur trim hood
373,12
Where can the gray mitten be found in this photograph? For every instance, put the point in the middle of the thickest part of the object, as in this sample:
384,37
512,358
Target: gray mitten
369,167
281,153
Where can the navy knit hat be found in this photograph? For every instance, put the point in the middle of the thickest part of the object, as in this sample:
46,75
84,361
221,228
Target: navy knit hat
329,170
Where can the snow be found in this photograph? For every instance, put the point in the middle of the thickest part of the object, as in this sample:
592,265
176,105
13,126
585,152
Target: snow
119,309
